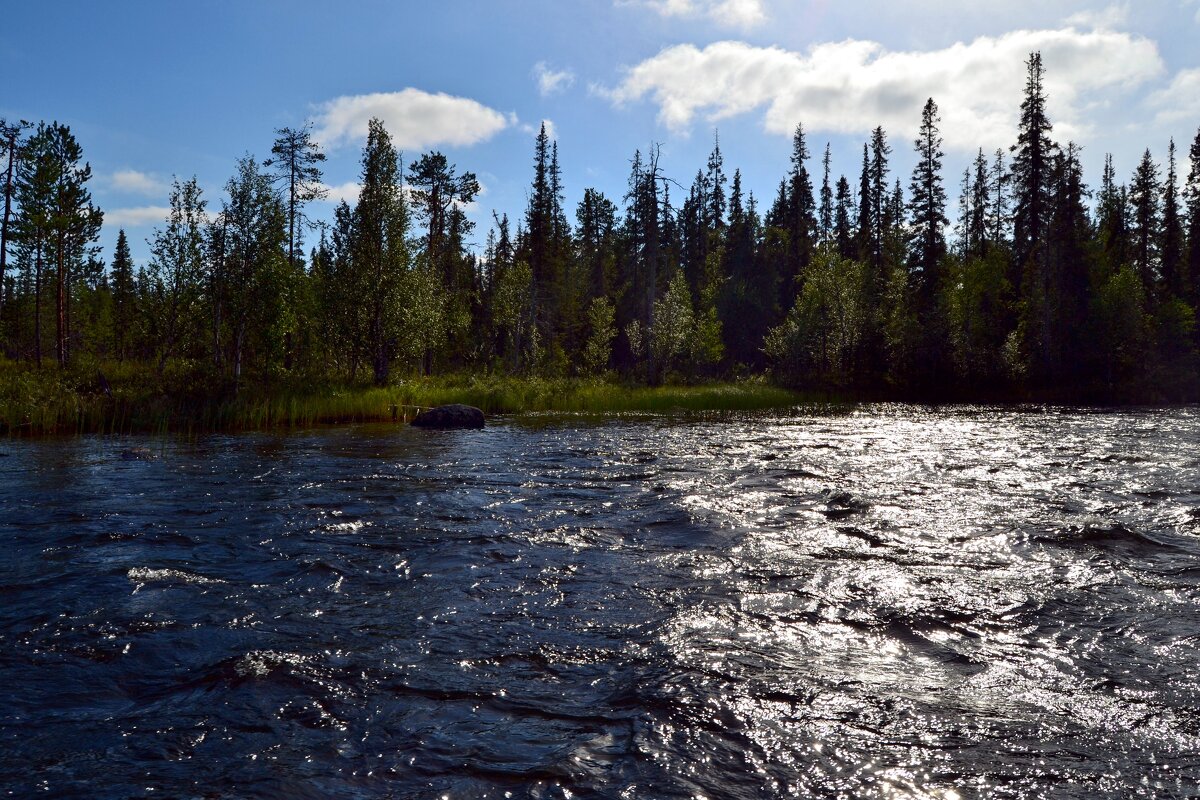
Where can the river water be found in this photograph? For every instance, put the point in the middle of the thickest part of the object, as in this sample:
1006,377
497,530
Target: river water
892,602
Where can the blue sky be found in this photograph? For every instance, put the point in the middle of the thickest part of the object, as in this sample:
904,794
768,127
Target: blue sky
156,89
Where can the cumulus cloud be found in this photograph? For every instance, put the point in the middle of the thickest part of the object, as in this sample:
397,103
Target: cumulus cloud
852,86
551,81
534,130
347,191
133,217
1180,100
730,13
134,182
415,119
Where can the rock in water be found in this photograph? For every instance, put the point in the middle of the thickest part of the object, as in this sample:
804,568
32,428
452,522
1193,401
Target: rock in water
137,454
455,415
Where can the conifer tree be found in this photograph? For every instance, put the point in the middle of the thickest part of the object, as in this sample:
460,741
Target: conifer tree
843,220
75,224
381,257
1171,246
927,206
297,160
826,210
1031,167
124,298
1191,197
1144,193
10,135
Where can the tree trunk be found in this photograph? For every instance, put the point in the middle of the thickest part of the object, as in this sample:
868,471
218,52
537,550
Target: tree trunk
37,307
12,147
60,306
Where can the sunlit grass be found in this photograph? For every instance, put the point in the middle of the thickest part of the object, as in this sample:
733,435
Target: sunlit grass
49,401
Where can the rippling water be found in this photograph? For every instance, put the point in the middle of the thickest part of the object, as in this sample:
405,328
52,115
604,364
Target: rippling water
897,602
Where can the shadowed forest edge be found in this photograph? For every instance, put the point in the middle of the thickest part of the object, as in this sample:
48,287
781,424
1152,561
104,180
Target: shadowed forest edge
679,297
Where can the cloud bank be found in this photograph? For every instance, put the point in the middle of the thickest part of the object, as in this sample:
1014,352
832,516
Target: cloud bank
854,85
729,13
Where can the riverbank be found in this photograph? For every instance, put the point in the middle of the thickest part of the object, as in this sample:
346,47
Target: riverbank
125,400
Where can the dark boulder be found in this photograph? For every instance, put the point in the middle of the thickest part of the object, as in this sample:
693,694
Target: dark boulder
455,415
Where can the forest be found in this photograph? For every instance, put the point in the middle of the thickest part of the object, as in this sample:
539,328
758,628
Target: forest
1033,286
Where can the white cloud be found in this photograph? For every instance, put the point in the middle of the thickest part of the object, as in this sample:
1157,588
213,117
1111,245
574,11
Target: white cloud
731,13
133,217
1180,100
551,81
134,182
852,86
415,119
534,130
347,191
1110,18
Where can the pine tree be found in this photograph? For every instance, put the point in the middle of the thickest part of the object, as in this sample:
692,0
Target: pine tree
10,135
297,166
75,225
34,189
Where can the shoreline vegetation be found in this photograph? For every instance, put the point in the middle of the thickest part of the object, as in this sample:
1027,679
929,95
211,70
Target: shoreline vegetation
48,402
837,287
129,399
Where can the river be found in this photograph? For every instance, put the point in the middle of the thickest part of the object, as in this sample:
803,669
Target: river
890,602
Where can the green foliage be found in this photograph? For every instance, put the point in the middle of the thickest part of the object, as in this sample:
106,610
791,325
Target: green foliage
820,339
601,332
977,296
1124,326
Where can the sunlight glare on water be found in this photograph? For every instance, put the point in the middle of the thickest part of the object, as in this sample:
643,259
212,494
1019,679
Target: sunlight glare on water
895,602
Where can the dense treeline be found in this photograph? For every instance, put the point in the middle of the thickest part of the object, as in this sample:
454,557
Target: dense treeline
1038,286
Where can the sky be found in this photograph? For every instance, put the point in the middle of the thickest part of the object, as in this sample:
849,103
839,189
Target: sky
154,90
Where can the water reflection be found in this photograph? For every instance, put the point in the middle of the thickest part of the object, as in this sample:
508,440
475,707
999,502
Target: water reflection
897,602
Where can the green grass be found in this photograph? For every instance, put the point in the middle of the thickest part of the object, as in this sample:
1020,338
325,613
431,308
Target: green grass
47,401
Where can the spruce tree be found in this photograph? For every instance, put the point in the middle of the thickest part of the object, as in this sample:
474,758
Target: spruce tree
124,296
1191,197
927,205
1144,192
826,210
1171,245
1032,161
843,220
381,257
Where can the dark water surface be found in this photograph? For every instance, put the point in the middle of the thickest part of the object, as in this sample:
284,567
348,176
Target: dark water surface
894,603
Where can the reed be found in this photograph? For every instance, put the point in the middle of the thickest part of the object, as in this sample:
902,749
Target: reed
133,398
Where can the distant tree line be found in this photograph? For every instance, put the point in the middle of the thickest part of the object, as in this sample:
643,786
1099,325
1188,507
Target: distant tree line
1038,284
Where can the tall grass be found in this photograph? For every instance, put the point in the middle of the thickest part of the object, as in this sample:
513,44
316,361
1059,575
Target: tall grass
183,399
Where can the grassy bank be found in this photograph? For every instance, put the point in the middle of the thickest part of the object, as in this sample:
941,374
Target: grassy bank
127,399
